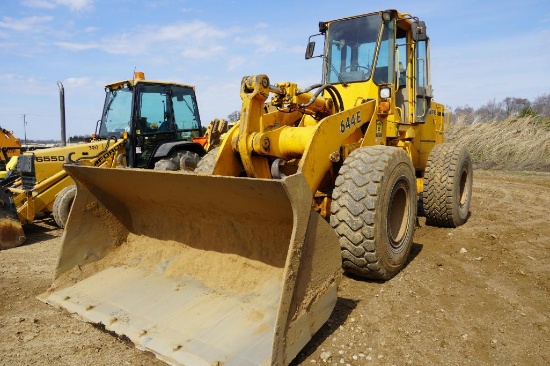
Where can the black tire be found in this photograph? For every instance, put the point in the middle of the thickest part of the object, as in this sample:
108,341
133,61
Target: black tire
62,205
374,211
447,186
206,165
179,160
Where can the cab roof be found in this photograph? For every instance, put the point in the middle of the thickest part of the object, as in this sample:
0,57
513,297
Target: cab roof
139,78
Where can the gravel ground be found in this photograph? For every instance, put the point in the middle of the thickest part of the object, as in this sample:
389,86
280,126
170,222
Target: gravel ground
474,295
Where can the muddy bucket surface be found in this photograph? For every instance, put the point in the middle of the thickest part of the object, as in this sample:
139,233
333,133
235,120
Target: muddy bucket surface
200,270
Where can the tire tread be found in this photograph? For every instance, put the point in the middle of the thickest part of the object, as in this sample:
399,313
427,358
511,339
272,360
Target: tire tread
353,209
438,198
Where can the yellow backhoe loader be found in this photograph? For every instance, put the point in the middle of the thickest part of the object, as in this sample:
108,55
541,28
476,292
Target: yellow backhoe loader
145,124
239,264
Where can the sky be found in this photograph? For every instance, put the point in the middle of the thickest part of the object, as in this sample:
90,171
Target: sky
481,50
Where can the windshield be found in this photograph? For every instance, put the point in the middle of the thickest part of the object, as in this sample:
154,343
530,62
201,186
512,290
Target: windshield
116,113
351,45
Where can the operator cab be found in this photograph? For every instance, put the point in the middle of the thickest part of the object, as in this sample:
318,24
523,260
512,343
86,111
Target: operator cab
378,49
149,114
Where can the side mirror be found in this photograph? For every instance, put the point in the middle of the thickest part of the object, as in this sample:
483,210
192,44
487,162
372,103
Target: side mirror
418,31
310,49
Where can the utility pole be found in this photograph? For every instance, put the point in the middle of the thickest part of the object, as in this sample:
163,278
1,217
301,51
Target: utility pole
25,129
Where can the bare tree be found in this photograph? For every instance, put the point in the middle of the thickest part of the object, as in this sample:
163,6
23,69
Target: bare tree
492,111
466,113
541,105
516,106
508,107
234,116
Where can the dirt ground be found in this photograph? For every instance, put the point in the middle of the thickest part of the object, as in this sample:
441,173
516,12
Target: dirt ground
475,295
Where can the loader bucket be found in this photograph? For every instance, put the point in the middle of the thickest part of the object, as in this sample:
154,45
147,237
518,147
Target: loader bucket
11,230
200,270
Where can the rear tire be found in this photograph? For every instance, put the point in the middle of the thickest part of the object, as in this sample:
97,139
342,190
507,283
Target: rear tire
206,165
374,211
447,186
179,160
62,205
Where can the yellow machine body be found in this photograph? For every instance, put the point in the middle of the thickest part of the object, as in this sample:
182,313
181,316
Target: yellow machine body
237,264
327,130
51,178
42,178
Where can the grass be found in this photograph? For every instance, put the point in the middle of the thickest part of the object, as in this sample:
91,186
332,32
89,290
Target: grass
512,144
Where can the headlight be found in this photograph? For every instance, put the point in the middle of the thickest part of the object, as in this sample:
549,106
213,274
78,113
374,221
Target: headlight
385,93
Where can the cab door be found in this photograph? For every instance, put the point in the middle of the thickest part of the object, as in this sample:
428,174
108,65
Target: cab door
422,87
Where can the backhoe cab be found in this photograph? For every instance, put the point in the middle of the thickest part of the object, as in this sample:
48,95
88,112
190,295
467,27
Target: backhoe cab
159,119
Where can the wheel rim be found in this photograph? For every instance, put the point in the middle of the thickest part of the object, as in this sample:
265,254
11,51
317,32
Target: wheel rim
463,191
398,214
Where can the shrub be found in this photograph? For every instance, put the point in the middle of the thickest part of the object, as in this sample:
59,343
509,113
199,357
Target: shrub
513,143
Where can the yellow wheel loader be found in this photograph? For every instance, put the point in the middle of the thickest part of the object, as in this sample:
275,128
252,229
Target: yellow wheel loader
145,124
239,264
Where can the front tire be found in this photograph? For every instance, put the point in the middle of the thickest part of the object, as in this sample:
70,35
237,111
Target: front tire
62,205
448,183
374,211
